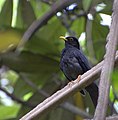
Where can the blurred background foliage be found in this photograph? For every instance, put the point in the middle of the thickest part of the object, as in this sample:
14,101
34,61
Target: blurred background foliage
28,77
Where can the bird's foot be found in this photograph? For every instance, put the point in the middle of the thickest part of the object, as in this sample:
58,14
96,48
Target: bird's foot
70,83
79,78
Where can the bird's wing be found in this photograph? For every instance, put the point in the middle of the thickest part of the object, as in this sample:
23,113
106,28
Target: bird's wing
82,60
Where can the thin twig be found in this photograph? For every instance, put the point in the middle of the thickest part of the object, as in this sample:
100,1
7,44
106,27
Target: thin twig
75,110
35,87
108,65
48,2
13,97
64,93
89,24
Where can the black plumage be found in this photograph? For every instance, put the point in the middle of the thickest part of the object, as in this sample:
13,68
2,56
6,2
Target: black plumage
74,63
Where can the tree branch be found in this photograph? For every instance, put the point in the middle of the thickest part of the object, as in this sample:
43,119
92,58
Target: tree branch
89,40
64,93
56,7
66,105
13,97
108,65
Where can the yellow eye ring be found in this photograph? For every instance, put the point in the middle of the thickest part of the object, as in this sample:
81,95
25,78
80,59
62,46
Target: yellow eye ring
71,39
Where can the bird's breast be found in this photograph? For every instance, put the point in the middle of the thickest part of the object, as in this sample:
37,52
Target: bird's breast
71,67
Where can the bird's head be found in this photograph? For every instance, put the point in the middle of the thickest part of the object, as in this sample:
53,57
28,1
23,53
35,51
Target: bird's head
70,41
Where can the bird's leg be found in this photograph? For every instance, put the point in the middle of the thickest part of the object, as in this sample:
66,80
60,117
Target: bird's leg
79,78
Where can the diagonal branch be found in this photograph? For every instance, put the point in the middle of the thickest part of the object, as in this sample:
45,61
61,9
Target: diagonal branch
66,105
64,93
108,65
36,25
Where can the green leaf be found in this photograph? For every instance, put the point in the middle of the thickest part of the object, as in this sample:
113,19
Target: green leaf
8,112
21,88
11,76
47,41
9,39
37,97
52,31
111,95
28,62
108,8
79,26
41,46
6,13
39,8
86,4
39,69
115,81
25,15
99,34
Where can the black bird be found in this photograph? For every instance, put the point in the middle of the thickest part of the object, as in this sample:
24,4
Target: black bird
74,63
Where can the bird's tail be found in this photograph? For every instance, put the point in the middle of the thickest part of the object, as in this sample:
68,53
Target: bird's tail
92,89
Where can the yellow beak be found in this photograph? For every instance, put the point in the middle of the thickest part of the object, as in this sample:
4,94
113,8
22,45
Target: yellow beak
63,38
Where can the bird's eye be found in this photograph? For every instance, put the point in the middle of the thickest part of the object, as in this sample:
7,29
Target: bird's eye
71,39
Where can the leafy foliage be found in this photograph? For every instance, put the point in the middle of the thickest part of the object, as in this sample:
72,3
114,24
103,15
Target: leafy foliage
35,68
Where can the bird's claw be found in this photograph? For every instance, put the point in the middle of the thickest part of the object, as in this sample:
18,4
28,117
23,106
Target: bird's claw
79,78
71,83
